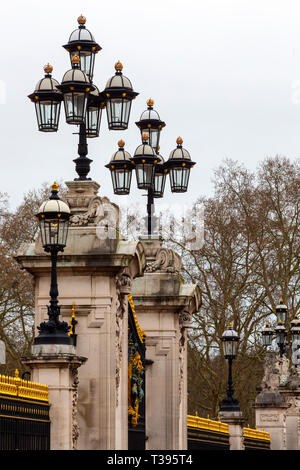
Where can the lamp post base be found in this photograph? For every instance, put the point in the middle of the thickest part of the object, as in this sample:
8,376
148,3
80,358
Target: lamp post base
230,404
53,332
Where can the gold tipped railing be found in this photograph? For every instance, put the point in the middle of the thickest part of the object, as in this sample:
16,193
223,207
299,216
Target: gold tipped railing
256,434
140,331
207,424
23,388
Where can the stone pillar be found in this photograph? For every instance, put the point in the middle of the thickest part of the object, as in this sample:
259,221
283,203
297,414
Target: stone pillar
57,366
290,391
95,271
236,422
270,416
270,406
164,305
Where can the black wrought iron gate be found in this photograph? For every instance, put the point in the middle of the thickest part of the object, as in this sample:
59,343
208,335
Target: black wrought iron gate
136,381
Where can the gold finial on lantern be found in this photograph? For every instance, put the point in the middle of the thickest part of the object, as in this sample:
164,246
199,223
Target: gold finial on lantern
48,68
75,59
179,140
150,102
81,19
121,143
54,186
118,66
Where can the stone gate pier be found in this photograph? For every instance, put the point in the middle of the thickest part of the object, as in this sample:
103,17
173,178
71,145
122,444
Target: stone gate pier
96,272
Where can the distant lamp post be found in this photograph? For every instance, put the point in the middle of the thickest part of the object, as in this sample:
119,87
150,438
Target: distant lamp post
47,99
53,217
230,340
285,340
83,102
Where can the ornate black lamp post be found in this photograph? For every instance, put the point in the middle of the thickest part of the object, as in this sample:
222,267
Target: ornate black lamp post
280,333
230,341
150,168
53,217
83,102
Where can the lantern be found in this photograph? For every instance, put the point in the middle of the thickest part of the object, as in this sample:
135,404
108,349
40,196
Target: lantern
280,333
83,44
179,165
295,329
93,113
119,95
267,335
47,99
144,160
150,122
75,87
281,311
160,174
53,217
120,169
230,341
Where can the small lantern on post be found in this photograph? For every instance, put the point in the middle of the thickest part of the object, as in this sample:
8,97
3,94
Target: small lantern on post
121,170
151,123
230,340
53,216
47,99
119,95
179,165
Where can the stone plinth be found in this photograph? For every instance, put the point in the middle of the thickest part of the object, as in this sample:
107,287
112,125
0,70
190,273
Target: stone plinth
57,366
270,416
236,422
164,305
95,271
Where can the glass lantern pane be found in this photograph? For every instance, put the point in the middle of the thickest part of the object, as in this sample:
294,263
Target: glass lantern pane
86,62
47,115
121,180
92,120
118,110
153,136
144,175
267,340
230,348
62,232
159,184
179,179
75,107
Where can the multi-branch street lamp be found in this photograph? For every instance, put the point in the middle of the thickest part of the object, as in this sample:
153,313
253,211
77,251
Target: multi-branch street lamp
83,105
150,168
230,341
280,333
53,217
83,102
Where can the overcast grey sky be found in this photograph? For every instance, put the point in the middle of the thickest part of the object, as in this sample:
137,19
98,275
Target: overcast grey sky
224,75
